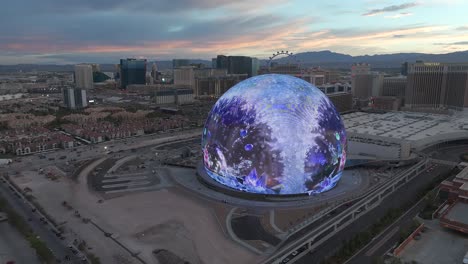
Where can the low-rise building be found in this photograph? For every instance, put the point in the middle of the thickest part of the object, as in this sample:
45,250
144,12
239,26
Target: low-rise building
454,213
17,121
390,103
174,96
331,88
125,125
407,129
343,101
216,86
35,140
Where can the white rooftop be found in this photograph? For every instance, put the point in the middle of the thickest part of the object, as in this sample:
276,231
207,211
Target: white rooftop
410,126
463,175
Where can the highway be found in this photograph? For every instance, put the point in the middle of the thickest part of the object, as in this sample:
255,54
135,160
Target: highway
403,195
383,243
13,247
387,239
40,228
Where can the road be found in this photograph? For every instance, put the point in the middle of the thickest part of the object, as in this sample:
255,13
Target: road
400,197
13,247
85,152
381,244
43,230
384,241
449,153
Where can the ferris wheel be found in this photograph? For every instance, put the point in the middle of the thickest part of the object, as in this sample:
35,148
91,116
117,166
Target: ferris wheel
292,59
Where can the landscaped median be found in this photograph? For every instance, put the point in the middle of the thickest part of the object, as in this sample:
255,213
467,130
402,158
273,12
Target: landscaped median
43,252
407,236
361,239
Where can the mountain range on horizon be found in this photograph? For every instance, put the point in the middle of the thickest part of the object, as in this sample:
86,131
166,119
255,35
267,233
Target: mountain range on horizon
338,60
324,59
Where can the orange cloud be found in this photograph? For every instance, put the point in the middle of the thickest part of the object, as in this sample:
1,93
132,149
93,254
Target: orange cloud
294,36
151,47
382,39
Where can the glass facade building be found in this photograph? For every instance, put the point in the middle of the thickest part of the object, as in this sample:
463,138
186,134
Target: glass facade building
177,63
238,64
222,62
132,71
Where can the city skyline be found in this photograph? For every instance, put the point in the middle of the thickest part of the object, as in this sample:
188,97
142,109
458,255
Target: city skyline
104,31
156,131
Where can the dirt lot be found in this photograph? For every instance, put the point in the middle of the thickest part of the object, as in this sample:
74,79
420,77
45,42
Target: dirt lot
143,222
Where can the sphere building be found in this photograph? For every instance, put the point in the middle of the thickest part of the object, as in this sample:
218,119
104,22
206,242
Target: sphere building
274,134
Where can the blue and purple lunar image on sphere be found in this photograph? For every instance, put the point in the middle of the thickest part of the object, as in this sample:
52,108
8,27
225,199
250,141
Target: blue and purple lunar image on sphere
274,134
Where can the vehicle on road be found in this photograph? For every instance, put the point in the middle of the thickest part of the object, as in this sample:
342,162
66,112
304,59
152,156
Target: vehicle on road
5,161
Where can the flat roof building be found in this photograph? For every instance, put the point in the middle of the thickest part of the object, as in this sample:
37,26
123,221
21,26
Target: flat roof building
215,86
186,75
174,96
237,64
437,85
394,86
132,71
176,63
83,76
360,68
74,98
365,83
331,88
343,101
390,103
454,214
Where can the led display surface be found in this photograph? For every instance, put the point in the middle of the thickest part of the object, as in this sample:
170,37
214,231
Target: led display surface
274,134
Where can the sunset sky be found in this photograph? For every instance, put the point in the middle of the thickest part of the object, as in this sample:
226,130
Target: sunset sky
102,31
